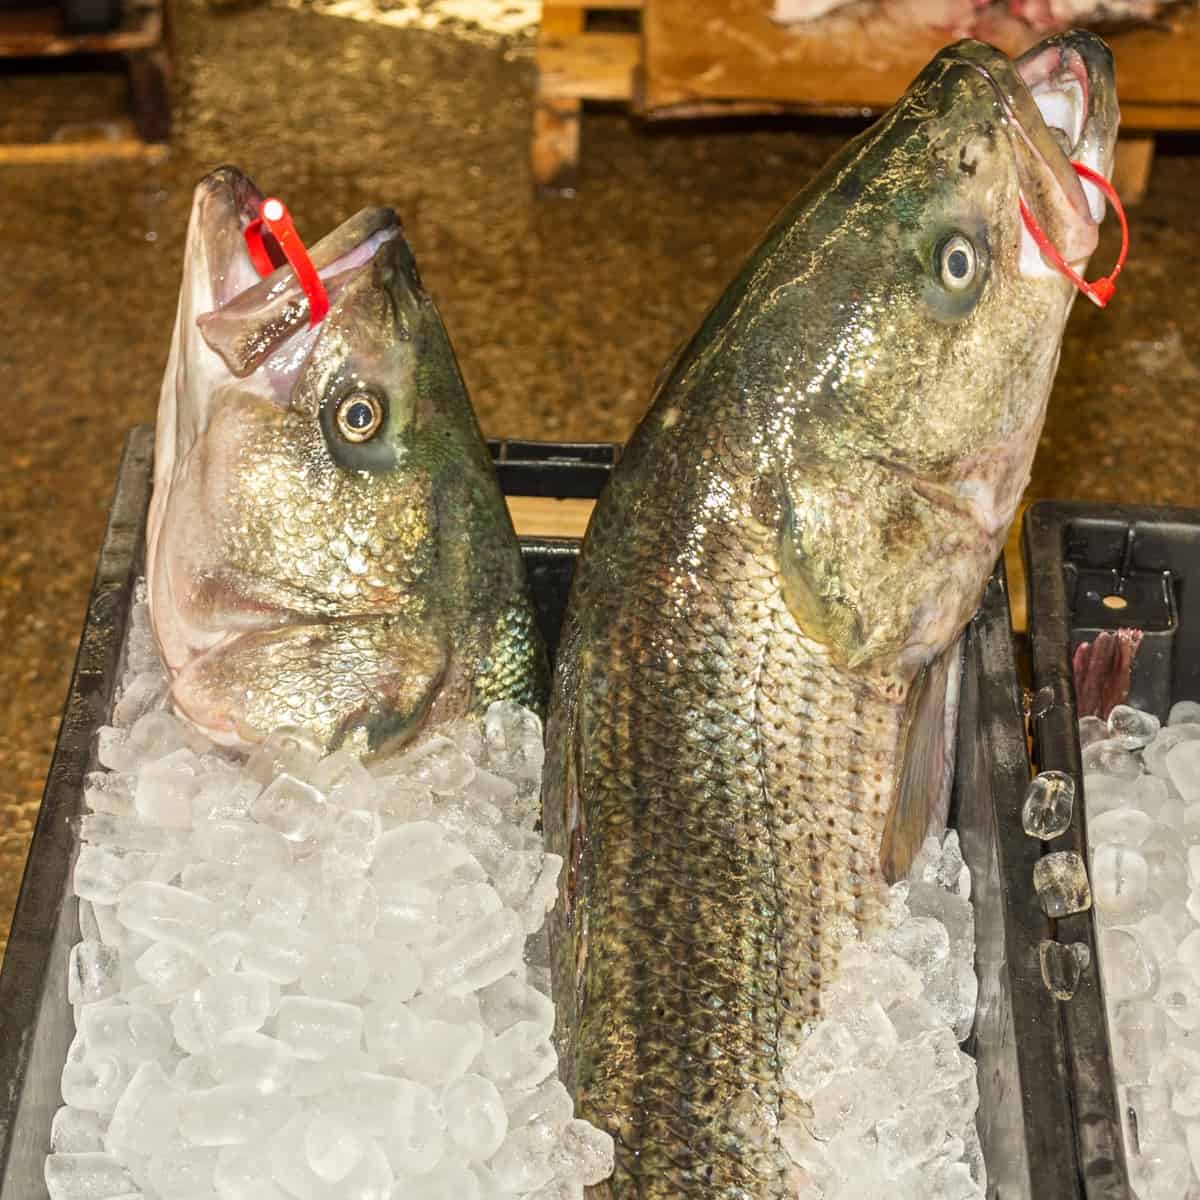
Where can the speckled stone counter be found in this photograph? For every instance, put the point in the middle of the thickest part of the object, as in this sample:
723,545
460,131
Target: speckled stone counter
562,312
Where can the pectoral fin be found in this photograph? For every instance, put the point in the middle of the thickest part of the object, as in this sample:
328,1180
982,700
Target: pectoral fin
927,766
823,618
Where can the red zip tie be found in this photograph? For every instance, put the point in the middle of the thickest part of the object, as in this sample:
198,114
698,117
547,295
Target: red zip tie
277,221
1101,291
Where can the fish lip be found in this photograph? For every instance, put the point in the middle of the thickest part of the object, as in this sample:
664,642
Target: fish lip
1073,69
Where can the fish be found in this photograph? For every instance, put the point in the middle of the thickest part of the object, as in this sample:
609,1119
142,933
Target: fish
327,545
751,726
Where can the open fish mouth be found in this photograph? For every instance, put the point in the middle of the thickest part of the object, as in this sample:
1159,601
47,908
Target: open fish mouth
1060,106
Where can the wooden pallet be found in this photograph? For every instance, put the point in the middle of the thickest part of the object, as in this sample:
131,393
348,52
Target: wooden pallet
575,64
141,41
717,57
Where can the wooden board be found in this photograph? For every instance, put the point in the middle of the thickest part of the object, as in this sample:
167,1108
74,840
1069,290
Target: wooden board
700,55
37,33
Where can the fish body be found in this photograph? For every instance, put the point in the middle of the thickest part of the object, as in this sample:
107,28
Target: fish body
327,546
752,720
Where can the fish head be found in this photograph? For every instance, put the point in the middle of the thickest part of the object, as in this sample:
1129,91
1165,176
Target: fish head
322,492
904,330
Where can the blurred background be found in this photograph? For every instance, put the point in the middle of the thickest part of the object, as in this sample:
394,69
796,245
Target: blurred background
562,307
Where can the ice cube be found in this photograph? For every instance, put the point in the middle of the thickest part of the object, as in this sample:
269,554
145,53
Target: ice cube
156,734
1129,972
229,1002
277,949
515,745
93,972
224,796
585,1152
166,913
1178,996
408,1119
1138,1037
133,1033
287,750
407,912
244,1173
113,749
93,1081
1061,883
1162,1173
1061,967
466,903
450,1181
1184,712
525,1162
250,1058
1120,826
395,971
146,1118
437,763
316,1029
1120,876
1132,728
223,951
183,1173
100,875
519,1058
475,1117
76,1130
292,808
233,1114
1179,1073
542,896
1154,757
345,781
337,971
1183,768
351,840
1091,729
144,693
509,1000
87,1176
443,1051
241,844
391,1029
351,908
415,852
922,942
109,792
166,789
1112,759
913,1136
279,896
1103,793
222,885
477,955
331,1147
1049,805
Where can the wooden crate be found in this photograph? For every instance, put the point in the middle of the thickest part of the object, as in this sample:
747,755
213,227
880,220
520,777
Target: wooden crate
714,57
141,41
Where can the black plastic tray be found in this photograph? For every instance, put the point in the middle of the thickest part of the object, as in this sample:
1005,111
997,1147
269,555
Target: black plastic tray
1090,568
1024,1115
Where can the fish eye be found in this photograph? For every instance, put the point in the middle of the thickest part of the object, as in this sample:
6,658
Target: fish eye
359,416
958,263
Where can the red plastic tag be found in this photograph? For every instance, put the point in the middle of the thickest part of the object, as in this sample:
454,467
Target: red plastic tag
1101,291
277,221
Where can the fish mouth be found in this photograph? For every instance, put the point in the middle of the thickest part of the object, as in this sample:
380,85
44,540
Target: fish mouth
1059,105
245,318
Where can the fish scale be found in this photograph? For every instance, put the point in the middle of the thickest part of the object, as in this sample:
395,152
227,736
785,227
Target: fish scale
716,940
